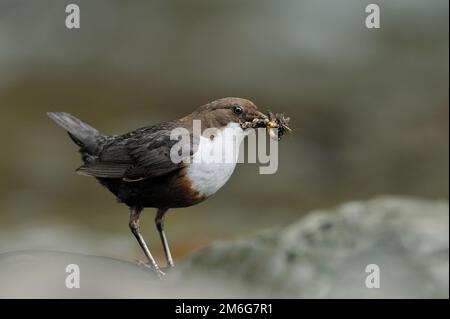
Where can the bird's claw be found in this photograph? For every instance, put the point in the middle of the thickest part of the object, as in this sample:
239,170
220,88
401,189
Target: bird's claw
158,271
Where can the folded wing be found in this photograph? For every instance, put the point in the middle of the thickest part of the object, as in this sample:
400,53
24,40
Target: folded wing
141,154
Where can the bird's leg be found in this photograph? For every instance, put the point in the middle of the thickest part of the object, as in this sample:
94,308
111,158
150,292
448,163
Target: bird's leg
134,226
159,221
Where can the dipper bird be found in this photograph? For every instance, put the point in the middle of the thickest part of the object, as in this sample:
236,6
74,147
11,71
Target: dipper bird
139,170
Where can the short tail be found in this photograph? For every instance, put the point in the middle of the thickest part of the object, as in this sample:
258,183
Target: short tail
88,138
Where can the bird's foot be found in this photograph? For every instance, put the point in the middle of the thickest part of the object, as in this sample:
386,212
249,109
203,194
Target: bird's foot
158,271
168,268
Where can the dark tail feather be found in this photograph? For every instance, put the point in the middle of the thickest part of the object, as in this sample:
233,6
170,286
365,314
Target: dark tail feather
88,138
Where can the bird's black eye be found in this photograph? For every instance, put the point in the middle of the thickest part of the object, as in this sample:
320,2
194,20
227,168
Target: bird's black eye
237,110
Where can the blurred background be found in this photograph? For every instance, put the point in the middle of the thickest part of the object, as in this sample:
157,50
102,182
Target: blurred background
370,109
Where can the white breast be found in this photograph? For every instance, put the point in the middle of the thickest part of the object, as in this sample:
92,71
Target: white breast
214,162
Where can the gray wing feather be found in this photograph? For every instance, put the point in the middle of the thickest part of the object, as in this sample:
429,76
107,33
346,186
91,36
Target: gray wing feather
144,153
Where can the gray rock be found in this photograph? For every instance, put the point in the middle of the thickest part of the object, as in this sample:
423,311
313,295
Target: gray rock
324,255
42,274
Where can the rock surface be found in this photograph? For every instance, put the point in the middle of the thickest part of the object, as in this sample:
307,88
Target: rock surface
324,255
42,274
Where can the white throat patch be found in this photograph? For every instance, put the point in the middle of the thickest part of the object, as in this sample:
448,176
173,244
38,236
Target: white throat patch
214,162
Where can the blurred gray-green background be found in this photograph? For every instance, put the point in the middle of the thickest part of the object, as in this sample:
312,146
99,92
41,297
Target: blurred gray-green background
370,109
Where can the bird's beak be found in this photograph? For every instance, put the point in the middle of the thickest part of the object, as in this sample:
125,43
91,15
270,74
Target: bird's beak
275,124
257,117
261,116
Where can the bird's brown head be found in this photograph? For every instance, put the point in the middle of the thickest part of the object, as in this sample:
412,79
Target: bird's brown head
221,112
